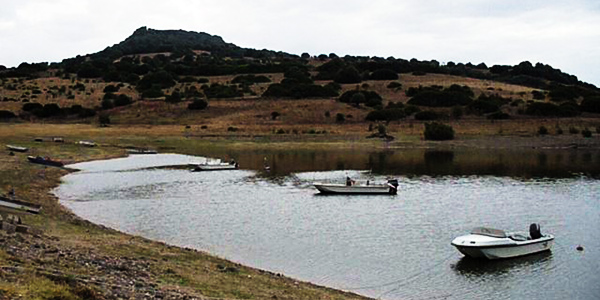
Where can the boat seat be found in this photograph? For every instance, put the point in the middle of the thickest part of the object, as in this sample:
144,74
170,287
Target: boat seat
518,237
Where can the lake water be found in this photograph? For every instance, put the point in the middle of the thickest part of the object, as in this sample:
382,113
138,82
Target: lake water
389,247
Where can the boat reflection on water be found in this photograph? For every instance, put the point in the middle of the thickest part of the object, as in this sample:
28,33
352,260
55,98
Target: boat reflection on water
473,267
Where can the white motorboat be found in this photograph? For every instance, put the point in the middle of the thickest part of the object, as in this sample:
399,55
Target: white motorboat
232,165
17,148
494,243
389,188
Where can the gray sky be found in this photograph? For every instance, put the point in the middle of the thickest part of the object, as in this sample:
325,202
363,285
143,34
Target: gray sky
563,34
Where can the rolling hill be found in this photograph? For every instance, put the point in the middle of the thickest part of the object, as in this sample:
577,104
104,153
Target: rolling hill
182,77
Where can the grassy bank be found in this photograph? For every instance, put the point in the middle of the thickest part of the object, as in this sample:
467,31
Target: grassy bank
69,258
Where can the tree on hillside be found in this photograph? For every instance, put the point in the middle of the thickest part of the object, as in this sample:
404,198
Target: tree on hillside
348,75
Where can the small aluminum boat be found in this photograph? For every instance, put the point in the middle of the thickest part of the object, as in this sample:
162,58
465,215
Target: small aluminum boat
17,148
494,243
389,188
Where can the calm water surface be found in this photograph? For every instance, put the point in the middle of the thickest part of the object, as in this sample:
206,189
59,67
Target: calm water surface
389,247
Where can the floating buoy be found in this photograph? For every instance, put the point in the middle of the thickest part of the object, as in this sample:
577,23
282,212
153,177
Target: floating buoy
579,248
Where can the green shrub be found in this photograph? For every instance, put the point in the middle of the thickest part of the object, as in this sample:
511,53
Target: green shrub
152,93
394,85
387,114
369,98
107,104
586,133
428,115
438,131
591,104
499,115
384,74
348,75
457,112
5,114
198,104
434,96
175,97
111,89
542,130
559,130
122,100
250,79
573,130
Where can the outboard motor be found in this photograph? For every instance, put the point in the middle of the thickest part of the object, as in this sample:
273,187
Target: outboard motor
393,184
534,231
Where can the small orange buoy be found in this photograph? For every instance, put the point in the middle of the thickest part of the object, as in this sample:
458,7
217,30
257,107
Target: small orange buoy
579,248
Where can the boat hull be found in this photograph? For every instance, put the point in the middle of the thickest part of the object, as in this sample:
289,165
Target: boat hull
506,248
46,162
200,168
16,148
356,189
16,206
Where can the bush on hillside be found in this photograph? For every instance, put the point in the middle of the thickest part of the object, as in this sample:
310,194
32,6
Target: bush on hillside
250,79
122,100
31,106
384,74
198,104
438,132
5,114
369,98
428,115
591,104
387,114
348,75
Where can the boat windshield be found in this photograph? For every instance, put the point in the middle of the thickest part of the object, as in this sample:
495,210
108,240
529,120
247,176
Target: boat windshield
489,232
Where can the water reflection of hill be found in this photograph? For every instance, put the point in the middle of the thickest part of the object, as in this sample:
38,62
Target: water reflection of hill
532,163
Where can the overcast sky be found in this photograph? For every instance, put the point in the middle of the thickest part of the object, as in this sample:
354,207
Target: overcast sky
564,34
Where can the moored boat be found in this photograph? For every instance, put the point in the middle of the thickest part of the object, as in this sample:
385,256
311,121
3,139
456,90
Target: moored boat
494,243
389,188
141,151
45,161
232,165
17,148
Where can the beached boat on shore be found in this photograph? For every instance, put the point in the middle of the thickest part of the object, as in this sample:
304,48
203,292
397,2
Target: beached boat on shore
494,243
18,206
141,151
87,143
17,148
389,188
45,161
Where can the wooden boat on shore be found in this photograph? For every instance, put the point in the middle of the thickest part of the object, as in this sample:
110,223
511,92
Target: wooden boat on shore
389,188
45,161
17,206
17,148
141,151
